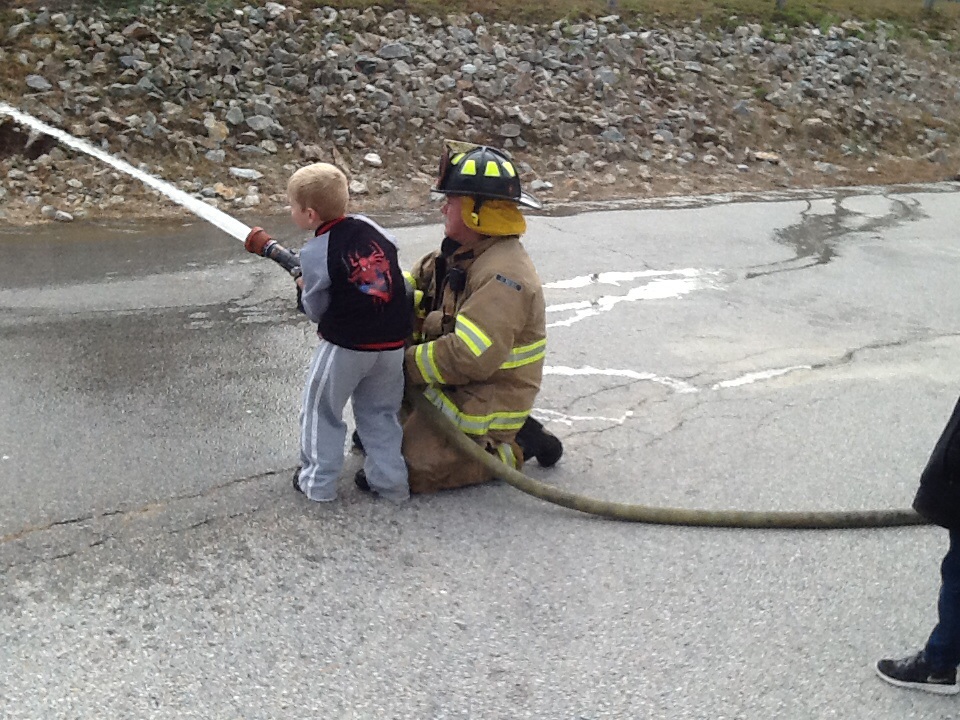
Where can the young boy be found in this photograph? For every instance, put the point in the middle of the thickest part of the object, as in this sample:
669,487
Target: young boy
353,288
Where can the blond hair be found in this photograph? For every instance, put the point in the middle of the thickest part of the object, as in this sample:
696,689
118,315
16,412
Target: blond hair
322,187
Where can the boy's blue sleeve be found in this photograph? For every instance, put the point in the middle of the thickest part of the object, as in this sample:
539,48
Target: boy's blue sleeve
316,280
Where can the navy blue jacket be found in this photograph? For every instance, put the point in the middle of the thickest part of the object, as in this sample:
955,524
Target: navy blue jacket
938,498
353,286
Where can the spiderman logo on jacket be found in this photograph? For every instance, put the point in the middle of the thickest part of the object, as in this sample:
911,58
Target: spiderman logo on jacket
370,274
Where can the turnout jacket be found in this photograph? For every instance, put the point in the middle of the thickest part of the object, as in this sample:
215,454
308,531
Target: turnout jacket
483,335
353,286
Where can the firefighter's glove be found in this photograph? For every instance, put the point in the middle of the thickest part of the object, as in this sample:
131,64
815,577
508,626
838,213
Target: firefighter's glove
433,324
415,294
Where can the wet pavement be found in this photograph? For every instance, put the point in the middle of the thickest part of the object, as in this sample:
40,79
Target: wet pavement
793,351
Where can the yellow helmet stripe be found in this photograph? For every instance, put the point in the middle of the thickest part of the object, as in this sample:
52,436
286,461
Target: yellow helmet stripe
493,170
469,167
508,166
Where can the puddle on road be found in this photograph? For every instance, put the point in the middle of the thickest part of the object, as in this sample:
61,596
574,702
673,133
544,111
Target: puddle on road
816,237
125,357
656,285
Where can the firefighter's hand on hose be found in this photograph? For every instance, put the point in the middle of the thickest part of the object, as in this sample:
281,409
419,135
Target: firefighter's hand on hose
257,240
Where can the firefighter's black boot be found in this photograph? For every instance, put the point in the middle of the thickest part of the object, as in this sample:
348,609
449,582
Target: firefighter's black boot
551,449
538,443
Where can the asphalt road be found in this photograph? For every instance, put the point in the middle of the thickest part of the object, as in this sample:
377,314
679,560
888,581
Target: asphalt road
784,352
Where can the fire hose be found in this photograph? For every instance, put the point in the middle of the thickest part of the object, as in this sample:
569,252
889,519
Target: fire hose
259,243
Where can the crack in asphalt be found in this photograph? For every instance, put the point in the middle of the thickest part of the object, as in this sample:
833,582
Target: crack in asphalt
691,379
103,540
660,436
849,356
210,520
589,395
130,512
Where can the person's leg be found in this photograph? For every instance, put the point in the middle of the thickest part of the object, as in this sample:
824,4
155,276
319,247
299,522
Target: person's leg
436,464
943,647
376,407
322,430
934,669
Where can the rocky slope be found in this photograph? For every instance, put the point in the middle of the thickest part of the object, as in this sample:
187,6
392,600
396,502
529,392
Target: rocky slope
227,104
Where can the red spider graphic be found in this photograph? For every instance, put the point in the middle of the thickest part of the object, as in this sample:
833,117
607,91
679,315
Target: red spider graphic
371,273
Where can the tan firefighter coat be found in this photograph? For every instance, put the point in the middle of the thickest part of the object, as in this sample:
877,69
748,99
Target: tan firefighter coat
480,358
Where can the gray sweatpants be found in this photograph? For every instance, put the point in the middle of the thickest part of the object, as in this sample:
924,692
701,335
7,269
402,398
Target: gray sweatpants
374,381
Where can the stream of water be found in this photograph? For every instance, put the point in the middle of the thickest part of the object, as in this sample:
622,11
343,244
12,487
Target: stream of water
212,215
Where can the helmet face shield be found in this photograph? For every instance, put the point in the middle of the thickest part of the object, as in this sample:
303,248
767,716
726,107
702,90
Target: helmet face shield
529,201
480,171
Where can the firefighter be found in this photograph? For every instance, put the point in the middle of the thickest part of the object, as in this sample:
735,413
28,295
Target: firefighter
481,327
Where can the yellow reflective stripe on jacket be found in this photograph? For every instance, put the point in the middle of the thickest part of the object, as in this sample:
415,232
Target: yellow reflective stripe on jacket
472,335
526,354
507,456
409,278
427,363
475,424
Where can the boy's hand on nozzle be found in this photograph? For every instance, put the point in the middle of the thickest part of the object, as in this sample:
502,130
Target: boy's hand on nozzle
257,241
298,280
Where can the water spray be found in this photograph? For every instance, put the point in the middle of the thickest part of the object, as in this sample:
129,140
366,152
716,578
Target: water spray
254,240
212,215
258,242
